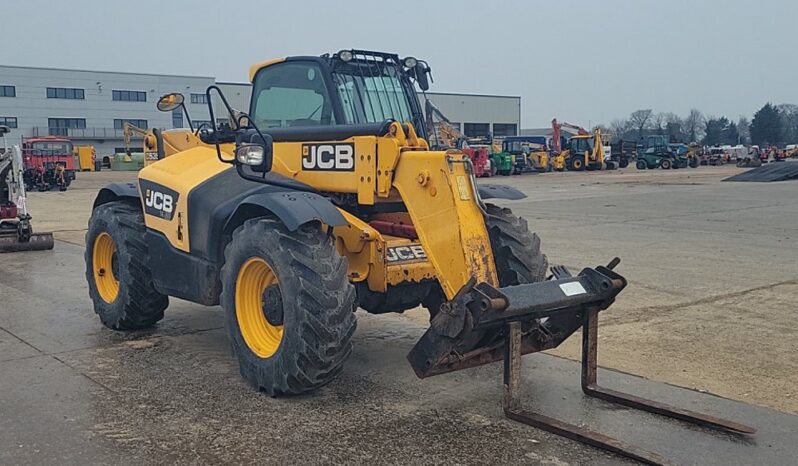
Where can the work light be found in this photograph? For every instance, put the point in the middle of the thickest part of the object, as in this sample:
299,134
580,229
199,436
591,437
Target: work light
250,154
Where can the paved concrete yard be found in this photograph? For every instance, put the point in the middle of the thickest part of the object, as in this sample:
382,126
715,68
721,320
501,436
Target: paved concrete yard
713,288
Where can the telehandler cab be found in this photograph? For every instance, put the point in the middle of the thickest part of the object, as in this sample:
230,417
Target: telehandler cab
323,198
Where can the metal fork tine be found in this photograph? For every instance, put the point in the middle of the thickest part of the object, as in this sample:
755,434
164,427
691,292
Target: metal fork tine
514,411
591,388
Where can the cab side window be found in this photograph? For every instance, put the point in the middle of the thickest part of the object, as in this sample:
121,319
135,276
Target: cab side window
291,94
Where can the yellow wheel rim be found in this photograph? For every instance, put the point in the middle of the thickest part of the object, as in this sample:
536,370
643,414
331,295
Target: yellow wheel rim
261,337
103,260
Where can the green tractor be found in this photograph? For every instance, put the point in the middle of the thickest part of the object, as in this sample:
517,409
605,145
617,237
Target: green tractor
502,162
659,157
655,152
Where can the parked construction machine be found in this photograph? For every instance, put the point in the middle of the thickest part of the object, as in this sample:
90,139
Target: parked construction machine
582,150
16,232
530,153
49,163
443,135
655,152
326,197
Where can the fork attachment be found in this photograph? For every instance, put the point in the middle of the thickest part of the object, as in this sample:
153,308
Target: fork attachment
483,324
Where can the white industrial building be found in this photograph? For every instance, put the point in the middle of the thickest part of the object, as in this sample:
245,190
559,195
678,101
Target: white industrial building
90,107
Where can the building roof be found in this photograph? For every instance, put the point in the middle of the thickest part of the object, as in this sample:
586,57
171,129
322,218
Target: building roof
475,95
106,72
536,131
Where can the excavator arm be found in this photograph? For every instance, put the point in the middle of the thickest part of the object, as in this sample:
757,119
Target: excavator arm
442,131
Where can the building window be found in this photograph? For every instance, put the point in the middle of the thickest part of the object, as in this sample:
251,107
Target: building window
476,130
199,99
61,126
8,91
505,129
129,96
177,118
65,93
119,123
11,122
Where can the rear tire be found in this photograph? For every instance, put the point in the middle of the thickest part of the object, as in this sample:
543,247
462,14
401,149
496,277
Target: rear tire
642,165
316,305
116,237
665,164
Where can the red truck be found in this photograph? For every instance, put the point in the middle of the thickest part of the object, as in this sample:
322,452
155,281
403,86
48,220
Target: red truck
48,163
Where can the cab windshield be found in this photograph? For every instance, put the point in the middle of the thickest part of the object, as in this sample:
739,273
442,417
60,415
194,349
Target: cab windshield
582,144
367,89
51,148
515,147
371,92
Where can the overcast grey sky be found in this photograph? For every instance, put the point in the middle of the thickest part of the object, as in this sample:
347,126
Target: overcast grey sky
581,61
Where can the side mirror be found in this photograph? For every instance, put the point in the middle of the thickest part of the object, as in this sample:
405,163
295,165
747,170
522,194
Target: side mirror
422,75
256,154
169,102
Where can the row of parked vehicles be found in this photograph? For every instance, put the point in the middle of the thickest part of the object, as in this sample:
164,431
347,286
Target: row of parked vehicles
519,154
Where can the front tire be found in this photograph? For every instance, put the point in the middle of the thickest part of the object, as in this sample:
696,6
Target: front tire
665,164
117,269
516,250
577,164
516,254
289,306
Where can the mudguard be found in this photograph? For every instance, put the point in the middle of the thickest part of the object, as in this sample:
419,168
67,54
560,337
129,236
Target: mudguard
498,191
115,191
293,208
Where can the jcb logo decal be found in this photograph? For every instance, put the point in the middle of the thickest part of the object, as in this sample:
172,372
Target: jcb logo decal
328,157
412,252
159,201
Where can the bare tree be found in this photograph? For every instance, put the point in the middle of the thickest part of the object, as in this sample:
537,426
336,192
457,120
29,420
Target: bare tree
674,127
618,128
657,122
639,119
693,125
603,128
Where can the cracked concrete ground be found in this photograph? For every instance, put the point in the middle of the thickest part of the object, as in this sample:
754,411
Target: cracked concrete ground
713,287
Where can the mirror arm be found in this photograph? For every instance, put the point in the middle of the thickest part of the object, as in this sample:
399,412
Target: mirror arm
188,117
209,101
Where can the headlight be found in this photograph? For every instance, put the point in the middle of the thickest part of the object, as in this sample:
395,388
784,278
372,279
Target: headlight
410,62
250,154
346,55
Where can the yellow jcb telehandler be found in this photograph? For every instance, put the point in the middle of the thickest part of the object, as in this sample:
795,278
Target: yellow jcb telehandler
325,197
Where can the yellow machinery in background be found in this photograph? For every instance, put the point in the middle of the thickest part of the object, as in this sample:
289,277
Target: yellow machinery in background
581,151
86,158
586,152
540,160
